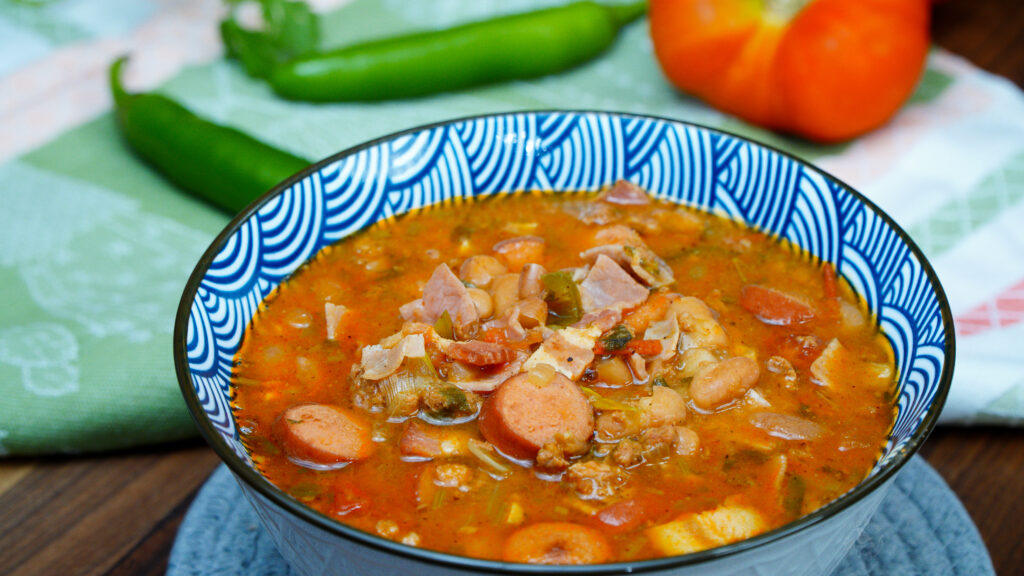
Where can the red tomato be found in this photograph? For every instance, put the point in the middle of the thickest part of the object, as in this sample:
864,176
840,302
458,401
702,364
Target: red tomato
827,70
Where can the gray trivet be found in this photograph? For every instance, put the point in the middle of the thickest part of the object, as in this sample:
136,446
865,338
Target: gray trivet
922,531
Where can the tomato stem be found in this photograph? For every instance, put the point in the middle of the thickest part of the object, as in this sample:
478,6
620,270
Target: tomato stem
782,11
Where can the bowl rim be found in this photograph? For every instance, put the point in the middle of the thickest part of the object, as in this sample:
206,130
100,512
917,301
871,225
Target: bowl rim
267,490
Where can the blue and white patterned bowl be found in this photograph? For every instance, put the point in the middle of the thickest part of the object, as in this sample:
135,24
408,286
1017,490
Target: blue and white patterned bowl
562,151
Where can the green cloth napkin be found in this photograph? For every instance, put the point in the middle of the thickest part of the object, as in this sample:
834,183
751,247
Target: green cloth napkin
95,248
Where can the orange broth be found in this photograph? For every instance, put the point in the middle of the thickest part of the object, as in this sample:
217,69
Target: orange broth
744,461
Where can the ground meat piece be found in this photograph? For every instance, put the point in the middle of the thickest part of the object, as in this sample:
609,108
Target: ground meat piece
450,401
607,285
628,453
667,440
615,424
552,457
595,480
659,440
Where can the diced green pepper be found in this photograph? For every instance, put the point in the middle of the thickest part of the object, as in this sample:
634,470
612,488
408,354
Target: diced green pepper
444,326
616,338
563,298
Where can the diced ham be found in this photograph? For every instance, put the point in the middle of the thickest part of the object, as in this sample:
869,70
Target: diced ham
530,283
568,351
626,193
445,292
837,365
333,314
623,245
786,426
603,320
665,331
487,381
379,362
607,285
479,353
618,234
592,213
413,311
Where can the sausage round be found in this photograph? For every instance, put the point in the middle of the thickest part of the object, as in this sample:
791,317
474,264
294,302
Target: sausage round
557,543
521,416
322,435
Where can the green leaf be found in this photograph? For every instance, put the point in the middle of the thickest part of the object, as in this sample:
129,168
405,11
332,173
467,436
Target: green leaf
290,30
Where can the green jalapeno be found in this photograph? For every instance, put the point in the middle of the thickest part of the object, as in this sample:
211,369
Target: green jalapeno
220,164
511,47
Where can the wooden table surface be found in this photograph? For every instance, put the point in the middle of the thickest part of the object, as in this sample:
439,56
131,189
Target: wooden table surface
119,513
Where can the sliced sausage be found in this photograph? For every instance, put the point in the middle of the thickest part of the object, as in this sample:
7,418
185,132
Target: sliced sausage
323,435
775,307
557,543
726,381
480,353
521,416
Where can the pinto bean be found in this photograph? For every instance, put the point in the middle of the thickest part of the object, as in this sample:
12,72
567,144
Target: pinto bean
481,269
724,382
557,543
520,251
521,416
482,301
322,435
504,292
663,406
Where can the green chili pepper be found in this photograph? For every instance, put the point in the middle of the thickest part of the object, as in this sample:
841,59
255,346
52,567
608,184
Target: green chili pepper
217,163
512,47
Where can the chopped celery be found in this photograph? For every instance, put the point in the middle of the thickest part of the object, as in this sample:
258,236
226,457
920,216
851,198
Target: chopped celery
444,326
603,403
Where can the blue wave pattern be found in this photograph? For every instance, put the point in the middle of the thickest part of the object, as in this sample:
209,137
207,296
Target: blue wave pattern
565,152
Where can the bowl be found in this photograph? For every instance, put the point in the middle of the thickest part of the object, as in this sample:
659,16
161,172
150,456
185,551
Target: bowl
562,151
